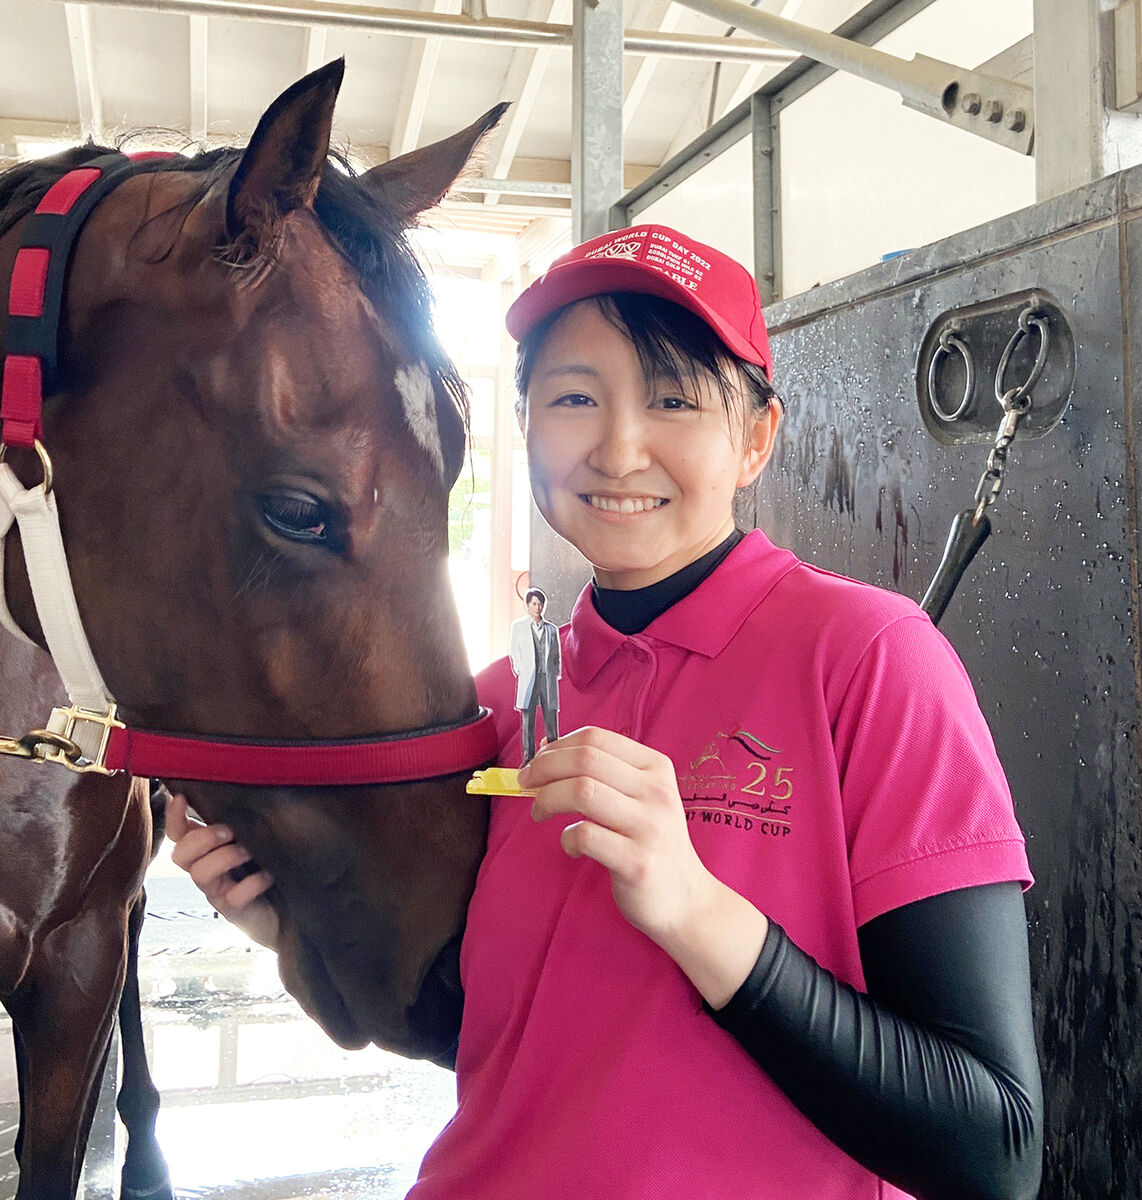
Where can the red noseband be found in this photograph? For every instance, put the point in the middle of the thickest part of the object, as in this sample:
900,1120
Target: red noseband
397,759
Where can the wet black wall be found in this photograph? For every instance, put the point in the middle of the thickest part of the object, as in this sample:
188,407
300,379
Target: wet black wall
1046,620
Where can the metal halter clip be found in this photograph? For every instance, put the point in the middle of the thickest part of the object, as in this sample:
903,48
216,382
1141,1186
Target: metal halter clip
75,738
45,463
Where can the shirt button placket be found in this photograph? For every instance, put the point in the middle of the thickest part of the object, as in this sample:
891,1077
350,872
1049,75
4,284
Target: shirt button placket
640,684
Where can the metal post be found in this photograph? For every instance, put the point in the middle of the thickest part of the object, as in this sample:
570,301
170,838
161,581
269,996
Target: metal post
1078,137
766,199
596,115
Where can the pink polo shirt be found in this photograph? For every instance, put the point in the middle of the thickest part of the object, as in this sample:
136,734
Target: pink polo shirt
833,763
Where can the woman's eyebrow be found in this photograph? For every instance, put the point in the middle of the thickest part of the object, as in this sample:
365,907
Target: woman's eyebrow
571,369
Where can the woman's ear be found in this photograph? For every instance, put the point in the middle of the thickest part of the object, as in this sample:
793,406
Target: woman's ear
760,438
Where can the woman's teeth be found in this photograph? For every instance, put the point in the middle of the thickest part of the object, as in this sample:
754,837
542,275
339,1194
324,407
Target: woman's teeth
629,504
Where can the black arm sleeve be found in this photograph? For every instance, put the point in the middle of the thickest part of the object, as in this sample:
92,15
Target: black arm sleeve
931,1081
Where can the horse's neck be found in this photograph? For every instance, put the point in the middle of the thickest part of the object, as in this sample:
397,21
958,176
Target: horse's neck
29,687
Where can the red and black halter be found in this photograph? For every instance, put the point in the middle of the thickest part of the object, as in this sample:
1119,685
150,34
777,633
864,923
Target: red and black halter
30,372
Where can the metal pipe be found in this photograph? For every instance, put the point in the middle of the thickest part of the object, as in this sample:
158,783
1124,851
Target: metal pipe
864,61
448,25
993,108
695,45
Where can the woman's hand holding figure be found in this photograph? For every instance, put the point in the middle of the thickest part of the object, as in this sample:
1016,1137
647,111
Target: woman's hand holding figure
632,822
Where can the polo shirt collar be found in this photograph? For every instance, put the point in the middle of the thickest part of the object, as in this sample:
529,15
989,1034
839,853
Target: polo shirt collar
704,622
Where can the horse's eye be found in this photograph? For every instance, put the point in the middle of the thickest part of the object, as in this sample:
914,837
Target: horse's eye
296,516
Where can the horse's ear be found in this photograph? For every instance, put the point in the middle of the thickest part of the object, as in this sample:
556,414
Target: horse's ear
282,167
416,181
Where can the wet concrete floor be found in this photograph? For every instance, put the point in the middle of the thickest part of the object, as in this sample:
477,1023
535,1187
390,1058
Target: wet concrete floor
258,1104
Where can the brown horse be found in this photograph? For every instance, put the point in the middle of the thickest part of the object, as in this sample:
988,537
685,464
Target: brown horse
253,434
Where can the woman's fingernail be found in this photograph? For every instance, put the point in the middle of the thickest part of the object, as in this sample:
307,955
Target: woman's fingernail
223,833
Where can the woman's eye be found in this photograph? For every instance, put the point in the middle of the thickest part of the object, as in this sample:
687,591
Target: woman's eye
574,400
296,516
675,403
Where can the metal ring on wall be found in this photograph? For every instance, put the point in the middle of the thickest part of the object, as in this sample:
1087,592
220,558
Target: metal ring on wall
949,342
1027,320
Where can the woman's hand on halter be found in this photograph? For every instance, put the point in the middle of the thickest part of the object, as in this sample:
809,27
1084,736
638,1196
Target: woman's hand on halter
632,822
208,853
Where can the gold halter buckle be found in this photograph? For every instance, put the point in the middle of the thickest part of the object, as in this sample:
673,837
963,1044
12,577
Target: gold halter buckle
76,738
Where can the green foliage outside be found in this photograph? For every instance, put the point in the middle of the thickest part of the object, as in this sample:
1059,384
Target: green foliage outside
470,505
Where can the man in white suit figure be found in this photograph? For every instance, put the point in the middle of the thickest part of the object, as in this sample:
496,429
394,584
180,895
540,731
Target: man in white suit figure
533,648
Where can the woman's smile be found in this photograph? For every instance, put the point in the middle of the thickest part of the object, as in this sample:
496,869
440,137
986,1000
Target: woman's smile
624,505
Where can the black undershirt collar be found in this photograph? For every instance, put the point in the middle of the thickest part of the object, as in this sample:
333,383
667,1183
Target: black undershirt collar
631,612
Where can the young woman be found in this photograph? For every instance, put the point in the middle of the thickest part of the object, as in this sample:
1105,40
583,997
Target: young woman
761,932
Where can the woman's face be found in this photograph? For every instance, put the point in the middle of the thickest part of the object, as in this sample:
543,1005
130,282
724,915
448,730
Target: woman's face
641,482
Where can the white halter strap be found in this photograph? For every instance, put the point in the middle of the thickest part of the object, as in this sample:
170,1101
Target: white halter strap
6,618
34,510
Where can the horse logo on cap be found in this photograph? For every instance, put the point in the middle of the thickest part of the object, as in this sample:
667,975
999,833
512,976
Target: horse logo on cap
627,250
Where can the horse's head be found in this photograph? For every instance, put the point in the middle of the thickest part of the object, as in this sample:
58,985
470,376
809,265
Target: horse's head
254,439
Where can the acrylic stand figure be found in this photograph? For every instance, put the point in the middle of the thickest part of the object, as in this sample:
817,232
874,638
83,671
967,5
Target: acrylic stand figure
533,649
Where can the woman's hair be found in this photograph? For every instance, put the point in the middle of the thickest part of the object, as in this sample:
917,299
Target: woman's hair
671,343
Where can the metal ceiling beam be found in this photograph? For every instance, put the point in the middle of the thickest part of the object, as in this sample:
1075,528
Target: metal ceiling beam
415,24
996,109
83,69
513,187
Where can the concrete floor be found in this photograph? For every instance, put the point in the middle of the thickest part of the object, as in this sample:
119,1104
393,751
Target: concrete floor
258,1104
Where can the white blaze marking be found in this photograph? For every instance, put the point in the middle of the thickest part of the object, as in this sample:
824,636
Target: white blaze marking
419,400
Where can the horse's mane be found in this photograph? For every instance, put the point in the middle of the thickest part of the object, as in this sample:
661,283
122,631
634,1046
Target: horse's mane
372,238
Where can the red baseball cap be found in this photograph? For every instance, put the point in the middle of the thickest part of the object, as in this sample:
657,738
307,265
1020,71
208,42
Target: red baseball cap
662,262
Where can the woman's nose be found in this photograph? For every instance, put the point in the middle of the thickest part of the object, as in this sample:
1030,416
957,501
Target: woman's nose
622,447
